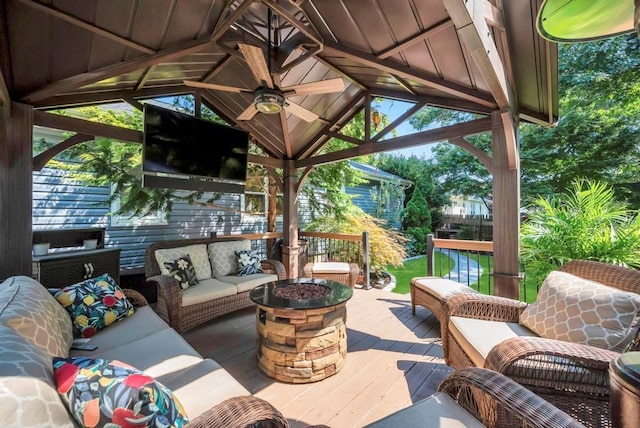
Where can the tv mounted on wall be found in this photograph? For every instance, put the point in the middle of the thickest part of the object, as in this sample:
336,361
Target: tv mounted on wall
185,152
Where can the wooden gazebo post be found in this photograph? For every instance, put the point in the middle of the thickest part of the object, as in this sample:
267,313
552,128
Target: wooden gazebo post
290,219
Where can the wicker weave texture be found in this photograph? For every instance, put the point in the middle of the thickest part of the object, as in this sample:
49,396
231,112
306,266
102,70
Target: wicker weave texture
241,412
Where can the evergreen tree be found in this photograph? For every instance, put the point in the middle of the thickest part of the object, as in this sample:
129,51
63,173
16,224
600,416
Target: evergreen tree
417,222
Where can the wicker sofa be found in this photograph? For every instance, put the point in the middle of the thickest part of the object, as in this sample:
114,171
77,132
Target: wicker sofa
572,376
219,292
34,328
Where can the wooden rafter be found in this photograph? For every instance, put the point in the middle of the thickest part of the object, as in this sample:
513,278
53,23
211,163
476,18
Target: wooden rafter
265,161
308,30
484,158
404,84
6,75
50,10
346,138
510,139
434,29
216,68
319,138
433,135
5,98
404,116
302,58
493,15
308,170
197,104
124,67
225,22
469,19
367,117
41,160
421,77
277,180
133,103
145,76
66,123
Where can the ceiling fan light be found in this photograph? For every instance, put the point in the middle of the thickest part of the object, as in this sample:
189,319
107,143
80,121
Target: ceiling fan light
269,102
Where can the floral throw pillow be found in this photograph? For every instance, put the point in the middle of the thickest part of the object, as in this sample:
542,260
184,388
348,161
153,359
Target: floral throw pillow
248,262
183,271
94,303
103,393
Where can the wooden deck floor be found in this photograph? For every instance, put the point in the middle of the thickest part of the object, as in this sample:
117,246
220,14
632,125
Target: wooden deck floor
394,359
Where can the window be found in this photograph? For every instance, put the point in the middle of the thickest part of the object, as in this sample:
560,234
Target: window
120,220
255,202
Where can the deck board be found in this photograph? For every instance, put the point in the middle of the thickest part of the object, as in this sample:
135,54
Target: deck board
394,359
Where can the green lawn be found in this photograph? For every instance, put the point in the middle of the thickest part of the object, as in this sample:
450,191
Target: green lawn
417,267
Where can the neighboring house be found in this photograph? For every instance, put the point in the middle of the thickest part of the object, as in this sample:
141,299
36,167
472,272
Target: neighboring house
465,206
373,196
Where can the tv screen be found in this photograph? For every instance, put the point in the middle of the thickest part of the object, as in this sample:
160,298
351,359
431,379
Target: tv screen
182,151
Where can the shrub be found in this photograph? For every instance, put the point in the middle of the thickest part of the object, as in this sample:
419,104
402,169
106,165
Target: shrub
417,221
585,223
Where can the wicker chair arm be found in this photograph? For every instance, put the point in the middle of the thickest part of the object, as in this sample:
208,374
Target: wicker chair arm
240,412
274,266
481,391
483,307
136,299
549,363
169,299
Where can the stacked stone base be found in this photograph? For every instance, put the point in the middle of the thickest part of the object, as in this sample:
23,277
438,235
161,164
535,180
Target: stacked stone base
301,345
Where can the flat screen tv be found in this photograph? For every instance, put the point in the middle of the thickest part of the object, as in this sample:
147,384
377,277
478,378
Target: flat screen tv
185,152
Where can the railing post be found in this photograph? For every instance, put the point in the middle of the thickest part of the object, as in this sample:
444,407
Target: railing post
365,249
430,250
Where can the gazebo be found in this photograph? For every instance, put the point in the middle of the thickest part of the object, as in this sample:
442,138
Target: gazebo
480,56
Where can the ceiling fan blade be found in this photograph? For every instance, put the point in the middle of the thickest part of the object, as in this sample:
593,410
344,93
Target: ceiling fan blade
256,62
319,87
301,112
215,87
248,113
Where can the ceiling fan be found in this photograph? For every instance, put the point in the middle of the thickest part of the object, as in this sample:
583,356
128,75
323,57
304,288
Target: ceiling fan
269,98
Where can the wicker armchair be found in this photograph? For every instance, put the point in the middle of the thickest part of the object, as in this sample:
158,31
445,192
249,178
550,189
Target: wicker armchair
241,412
573,377
491,398
347,276
169,306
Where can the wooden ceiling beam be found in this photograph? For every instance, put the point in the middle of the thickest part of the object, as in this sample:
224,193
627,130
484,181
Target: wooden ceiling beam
309,31
66,123
224,23
443,102
57,13
6,74
345,138
143,79
484,158
434,29
73,82
405,72
265,161
5,98
41,160
431,136
404,84
469,19
404,116
133,103
93,98
217,68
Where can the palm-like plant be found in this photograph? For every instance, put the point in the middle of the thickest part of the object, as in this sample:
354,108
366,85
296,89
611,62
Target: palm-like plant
585,223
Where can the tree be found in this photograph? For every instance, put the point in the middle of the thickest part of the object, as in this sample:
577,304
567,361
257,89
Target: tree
584,223
417,222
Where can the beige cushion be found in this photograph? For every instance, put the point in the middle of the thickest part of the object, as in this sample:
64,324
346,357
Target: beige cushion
249,282
202,386
577,310
330,267
207,290
31,311
478,337
223,256
142,323
28,396
436,411
197,253
442,288
158,354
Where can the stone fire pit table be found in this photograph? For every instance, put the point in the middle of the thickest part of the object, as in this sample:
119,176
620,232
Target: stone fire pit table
301,340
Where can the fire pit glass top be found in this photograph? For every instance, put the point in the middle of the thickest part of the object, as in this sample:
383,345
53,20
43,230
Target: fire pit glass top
274,294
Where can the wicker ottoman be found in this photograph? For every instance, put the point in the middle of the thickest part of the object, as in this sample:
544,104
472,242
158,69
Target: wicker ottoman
346,273
432,292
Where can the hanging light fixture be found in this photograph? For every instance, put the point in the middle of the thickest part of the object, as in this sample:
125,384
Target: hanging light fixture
267,100
584,20
375,118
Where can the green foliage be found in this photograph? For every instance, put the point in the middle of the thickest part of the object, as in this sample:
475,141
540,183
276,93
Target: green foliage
388,197
585,223
386,245
465,232
417,222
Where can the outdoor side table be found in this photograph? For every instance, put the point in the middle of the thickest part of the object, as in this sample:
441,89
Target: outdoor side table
625,390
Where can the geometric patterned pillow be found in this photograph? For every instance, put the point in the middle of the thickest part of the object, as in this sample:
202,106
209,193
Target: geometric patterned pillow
248,262
182,270
110,393
197,253
94,303
223,257
577,310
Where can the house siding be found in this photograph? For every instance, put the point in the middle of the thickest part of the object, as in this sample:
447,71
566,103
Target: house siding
362,197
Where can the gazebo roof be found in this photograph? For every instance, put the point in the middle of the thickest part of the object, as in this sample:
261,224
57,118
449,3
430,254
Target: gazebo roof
58,53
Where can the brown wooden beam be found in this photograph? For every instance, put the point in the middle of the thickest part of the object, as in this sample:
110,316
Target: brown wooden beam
290,220
511,144
346,138
308,31
469,19
57,13
216,69
224,23
41,160
308,170
393,125
418,76
404,84
133,103
277,180
5,98
484,158
431,136
444,102
124,67
367,118
56,121
265,161
537,118
434,29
